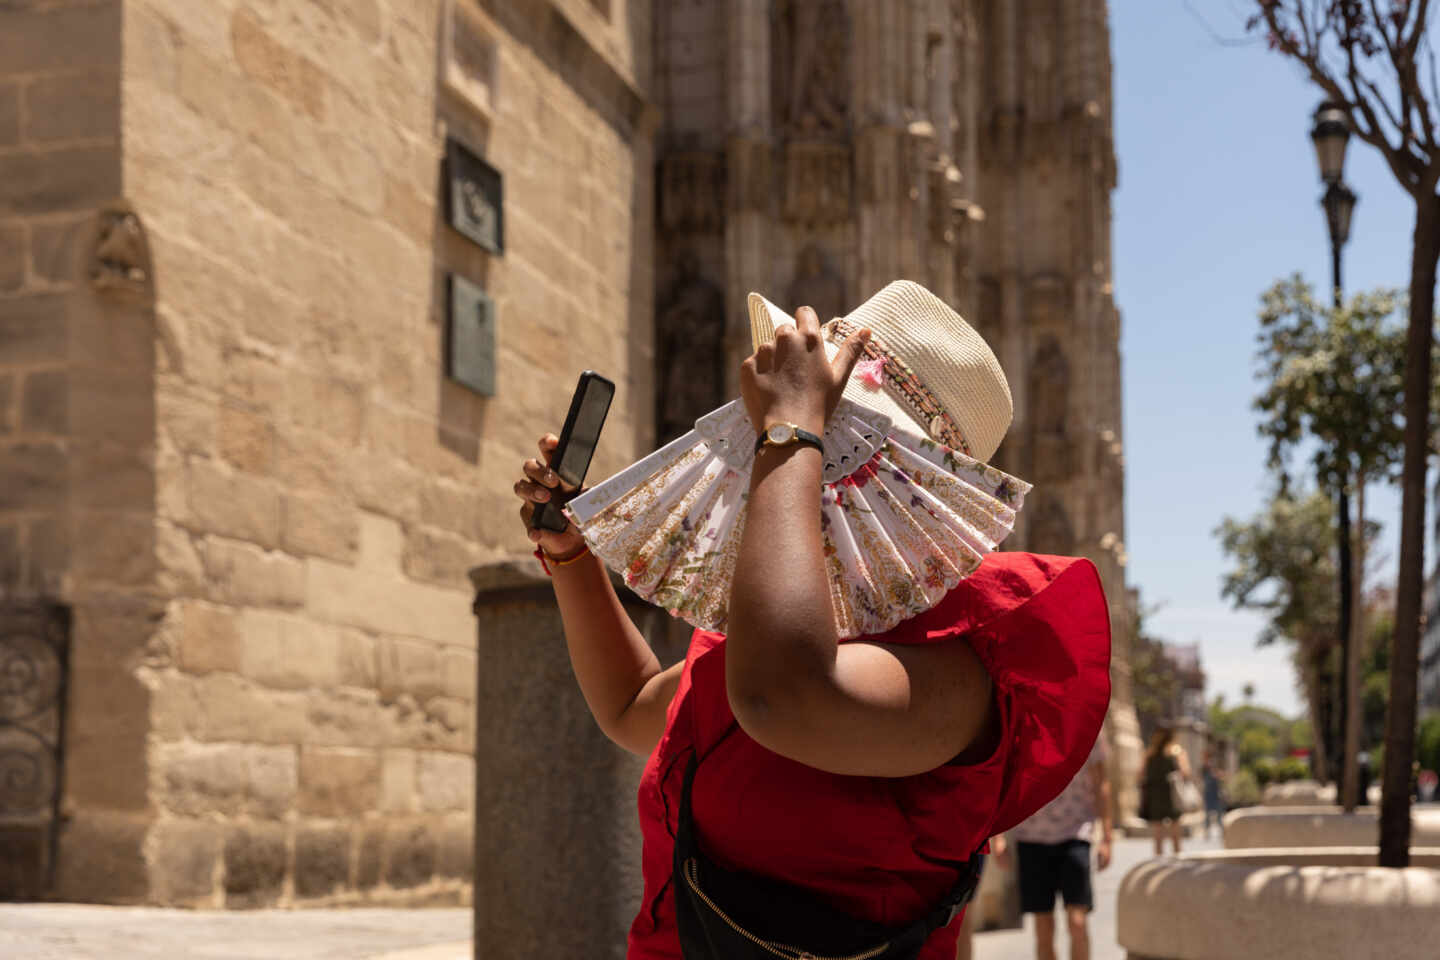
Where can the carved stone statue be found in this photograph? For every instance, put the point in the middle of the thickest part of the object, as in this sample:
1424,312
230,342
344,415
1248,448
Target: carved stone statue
817,285
690,337
121,259
812,60
692,191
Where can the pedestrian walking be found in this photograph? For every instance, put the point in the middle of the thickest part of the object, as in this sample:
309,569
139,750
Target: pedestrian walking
1214,798
833,796
1165,766
1053,850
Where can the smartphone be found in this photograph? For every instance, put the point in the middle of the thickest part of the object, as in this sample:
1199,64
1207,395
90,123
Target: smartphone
578,440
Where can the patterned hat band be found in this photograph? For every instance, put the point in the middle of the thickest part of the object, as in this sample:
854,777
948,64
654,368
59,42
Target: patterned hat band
904,386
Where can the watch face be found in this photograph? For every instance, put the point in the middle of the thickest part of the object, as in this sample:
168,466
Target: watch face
779,432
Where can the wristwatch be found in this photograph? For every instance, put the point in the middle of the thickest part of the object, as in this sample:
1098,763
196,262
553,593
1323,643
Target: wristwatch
785,434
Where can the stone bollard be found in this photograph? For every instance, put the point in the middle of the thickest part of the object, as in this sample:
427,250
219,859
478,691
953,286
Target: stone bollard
557,838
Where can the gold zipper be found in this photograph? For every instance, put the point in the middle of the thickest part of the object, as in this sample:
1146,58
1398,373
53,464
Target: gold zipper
778,949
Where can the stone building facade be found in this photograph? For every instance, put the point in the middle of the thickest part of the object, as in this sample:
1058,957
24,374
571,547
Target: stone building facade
241,495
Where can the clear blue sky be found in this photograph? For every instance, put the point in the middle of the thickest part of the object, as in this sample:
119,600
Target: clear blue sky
1218,197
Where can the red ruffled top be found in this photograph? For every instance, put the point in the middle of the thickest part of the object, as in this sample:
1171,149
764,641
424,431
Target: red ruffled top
884,848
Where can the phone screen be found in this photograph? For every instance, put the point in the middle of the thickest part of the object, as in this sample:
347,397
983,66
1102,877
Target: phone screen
585,434
578,440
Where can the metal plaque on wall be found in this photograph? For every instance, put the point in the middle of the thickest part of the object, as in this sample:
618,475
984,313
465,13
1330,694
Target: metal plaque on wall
475,206
470,337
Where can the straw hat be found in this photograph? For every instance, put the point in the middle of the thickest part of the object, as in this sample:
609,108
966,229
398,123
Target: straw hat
924,365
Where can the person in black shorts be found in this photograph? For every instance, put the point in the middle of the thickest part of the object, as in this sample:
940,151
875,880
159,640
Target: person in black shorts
1052,852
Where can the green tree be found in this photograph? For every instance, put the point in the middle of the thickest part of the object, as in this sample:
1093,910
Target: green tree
1284,567
1371,61
1332,378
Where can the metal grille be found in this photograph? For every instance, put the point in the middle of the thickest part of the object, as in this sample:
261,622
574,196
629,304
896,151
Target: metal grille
34,648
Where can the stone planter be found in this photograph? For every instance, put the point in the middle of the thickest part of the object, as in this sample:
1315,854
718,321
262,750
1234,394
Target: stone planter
1280,903
1308,793
1305,826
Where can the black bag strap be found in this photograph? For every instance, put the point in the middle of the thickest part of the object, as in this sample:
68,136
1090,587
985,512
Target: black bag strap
941,915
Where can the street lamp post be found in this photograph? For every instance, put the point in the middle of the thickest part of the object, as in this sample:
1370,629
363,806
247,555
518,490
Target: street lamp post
1331,135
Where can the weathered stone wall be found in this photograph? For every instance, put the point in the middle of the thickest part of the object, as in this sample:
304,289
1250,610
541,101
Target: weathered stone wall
244,466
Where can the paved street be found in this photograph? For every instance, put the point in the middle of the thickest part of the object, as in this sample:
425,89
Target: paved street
1020,944
74,932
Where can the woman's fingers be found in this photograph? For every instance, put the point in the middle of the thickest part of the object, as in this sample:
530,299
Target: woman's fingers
849,354
532,492
806,322
541,474
547,446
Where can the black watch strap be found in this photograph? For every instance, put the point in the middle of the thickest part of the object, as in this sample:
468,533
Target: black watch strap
802,437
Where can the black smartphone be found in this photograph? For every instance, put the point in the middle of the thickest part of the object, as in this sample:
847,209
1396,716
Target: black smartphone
578,440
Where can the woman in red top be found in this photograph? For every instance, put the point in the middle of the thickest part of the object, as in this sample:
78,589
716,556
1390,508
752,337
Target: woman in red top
865,772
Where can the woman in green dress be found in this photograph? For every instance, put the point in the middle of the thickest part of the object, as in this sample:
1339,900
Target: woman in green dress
1157,799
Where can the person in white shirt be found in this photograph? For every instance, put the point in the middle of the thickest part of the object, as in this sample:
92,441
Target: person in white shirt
1052,851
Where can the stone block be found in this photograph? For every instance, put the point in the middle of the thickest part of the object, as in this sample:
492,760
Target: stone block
44,403
370,857
399,785
247,441
41,37
181,571
288,652
322,861
272,780
243,574
209,639
410,666
455,848
294,77
254,382
458,666
34,476
319,527
32,329
12,255
409,855
255,862
54,248
189,422
337,782
449,507
118,547
73,106
202,778
7,403
440,558
116,406
224,707
346,718
9,114
359,660
101,858
327,405
311,463
12,563
70,178
48,548
184,856
109,476
447,781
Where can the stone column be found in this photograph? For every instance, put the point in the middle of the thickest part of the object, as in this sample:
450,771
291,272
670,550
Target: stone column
557,840
750,150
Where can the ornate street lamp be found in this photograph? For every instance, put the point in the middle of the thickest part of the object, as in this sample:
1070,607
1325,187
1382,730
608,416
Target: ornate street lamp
1331,135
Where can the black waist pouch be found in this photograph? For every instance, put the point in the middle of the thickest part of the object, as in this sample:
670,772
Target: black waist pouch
728,915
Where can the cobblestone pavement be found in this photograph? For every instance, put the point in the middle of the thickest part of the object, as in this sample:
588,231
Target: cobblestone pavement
1020,944
75,932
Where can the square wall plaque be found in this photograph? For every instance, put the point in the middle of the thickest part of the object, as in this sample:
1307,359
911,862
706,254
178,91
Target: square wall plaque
475,205
470,337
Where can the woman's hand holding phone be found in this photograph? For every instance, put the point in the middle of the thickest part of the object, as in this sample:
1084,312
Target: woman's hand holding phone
539,486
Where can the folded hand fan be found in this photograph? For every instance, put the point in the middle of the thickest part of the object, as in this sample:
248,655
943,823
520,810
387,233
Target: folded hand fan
903,518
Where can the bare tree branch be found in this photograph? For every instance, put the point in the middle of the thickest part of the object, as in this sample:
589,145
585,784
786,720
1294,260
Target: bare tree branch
1372,131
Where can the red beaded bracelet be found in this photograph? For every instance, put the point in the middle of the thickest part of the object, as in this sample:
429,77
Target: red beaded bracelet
545,559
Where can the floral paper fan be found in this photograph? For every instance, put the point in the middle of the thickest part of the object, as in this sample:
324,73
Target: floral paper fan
903,518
